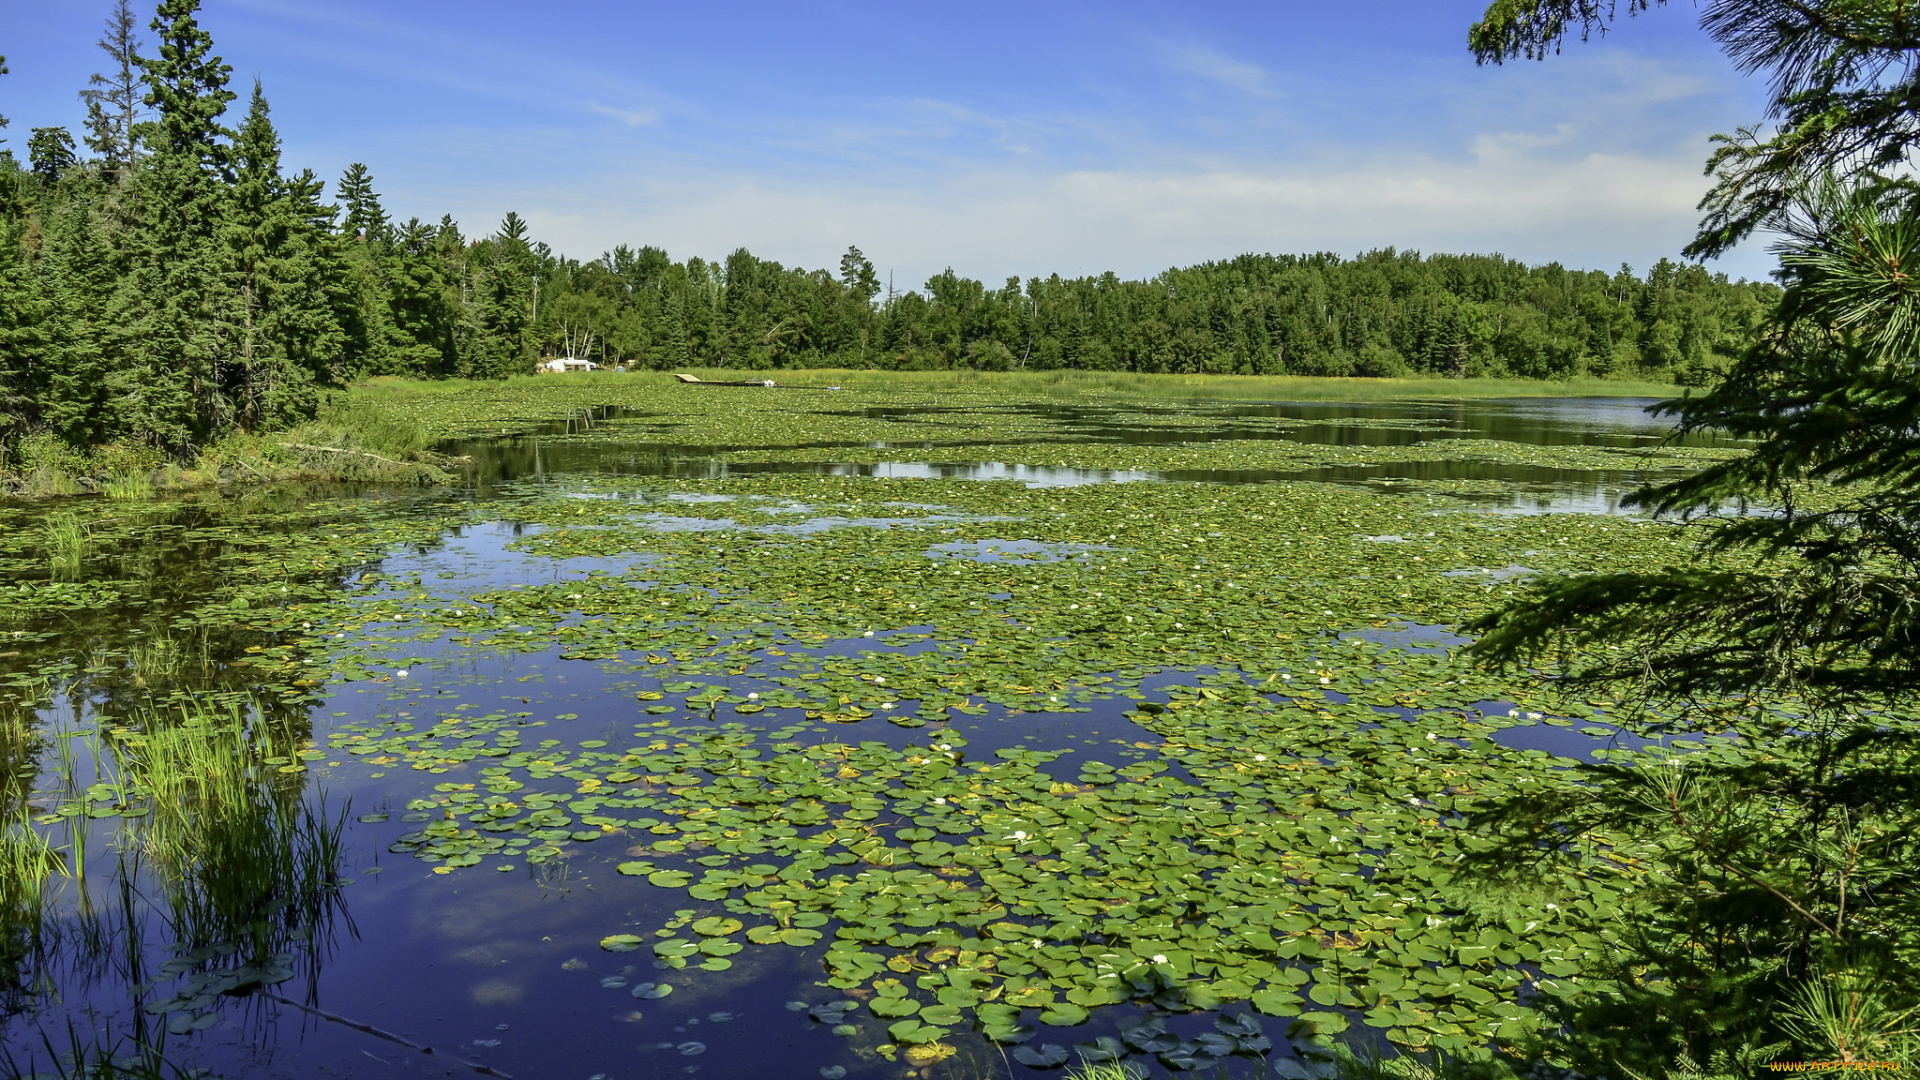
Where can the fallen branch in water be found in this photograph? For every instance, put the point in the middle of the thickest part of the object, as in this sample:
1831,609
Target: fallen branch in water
484,1070
355,453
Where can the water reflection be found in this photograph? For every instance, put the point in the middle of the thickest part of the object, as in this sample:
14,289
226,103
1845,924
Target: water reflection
600,443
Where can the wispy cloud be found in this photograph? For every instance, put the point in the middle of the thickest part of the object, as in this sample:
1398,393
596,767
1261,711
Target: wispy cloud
629,117
1216,66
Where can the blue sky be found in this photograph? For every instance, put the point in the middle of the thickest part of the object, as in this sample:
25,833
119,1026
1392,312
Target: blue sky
998,138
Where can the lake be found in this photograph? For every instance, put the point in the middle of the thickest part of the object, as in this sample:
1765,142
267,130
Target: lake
841,734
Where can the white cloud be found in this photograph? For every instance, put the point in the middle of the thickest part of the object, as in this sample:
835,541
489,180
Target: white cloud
629,117
1216,66
1594,211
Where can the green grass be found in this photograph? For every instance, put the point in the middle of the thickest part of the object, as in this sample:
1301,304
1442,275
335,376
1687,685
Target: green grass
1202,387
129,487
1075,383
66,540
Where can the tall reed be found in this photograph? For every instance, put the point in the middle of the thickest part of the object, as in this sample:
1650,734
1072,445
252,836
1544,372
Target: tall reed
66,542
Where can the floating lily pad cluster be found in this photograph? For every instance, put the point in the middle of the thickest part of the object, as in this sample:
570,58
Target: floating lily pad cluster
1274,829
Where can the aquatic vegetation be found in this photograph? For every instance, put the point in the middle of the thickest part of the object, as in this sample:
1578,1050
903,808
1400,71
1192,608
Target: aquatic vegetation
66,541
1014,772
129,487
1278,829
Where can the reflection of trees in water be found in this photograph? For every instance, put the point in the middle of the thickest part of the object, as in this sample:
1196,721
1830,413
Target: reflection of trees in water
198,868
222,879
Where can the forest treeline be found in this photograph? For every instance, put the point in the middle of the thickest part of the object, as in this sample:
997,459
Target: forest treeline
166,279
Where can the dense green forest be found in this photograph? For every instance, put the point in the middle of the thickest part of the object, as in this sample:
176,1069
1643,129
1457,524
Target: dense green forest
168,279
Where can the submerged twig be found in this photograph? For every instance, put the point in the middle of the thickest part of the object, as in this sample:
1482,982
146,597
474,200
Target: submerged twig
484,1070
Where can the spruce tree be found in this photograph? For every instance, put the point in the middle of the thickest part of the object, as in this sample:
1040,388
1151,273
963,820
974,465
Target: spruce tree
50,152
170,390
75,279
281,282
22,321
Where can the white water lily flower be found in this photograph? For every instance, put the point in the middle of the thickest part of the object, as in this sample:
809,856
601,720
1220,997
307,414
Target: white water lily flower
1159,958
1259,757
938,801
1036,943
1324,679
400,674
306,626
886,704
867,634
1286,678
1533,716
753,697
1177,626
1017,835
1432,737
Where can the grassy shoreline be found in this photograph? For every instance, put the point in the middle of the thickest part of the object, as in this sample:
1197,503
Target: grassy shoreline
1076,383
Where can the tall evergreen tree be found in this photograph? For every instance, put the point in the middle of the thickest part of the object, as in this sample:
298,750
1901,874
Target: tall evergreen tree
280,284
365,219
50,150
170,389
75,278
113,98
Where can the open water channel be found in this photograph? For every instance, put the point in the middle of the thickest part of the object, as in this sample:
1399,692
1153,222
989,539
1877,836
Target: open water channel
313,942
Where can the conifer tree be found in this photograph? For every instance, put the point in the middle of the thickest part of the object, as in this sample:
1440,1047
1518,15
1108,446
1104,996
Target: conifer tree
280,284
365,219
170,388
113,99
50,151
75,280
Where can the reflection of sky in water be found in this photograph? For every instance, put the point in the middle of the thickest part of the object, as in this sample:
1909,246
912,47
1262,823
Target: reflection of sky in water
1012,551
492,966
477,558
553,449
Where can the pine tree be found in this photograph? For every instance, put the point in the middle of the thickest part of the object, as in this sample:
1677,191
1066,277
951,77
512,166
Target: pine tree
113,99
365,220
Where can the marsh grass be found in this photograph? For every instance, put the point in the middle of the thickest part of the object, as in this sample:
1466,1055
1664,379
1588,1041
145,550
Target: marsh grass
352,441
28,861
242,855
1107,1070
66,542
1070,384
129,487
157,658
79,1057
1193,387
